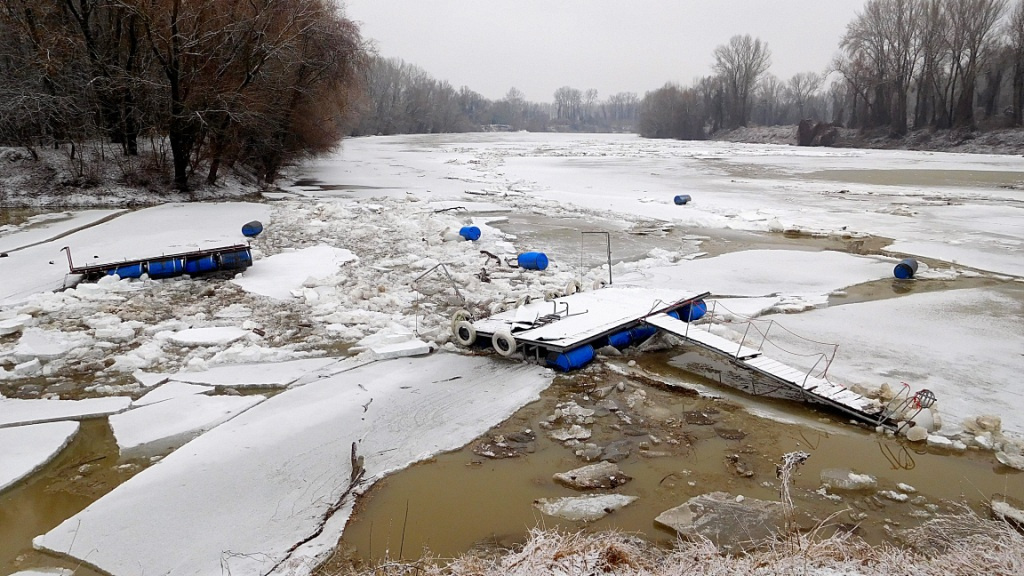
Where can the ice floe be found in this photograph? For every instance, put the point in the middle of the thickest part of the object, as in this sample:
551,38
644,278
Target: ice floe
168,424
16,412
280,275
209,336
169,390
242,496
25,449
262,375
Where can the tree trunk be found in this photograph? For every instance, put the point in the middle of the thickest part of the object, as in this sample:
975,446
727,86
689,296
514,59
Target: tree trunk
1018,92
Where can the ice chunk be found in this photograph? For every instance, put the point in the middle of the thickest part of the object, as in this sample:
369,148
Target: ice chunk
400,349
278,275
47,344
840,479
173,422
583,508
261,375
212,336
15,411
25,449
170,390
12,325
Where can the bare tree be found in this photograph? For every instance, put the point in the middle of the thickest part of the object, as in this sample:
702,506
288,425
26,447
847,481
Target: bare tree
1015,31
568,104
886,37
672,112
801,87
589,103
972,25
930,99
770,105
741,63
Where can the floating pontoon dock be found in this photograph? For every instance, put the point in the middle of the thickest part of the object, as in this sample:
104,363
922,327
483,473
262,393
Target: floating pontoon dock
193,262
565,331
573,322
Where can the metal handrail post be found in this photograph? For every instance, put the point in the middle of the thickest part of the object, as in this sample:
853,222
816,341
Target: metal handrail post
808,375
742,340
765,338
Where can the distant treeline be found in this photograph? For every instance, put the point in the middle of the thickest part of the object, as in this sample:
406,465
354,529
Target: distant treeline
904,64
218,82
401,98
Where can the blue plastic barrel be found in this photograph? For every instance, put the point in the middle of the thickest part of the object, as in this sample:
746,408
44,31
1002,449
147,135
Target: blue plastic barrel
533,260
620,339
575,358
253,228
693,311
164,268
127,271
470,233
232,260
682,199
642,332
905,269
201,264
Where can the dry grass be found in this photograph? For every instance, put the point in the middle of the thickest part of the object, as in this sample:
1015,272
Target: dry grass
959,544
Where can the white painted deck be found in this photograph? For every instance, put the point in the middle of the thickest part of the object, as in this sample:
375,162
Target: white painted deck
751,358
570,321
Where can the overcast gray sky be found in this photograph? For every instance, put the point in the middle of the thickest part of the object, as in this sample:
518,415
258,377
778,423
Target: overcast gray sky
613,46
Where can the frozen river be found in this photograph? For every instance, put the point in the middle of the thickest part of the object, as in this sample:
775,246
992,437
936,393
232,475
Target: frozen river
807,237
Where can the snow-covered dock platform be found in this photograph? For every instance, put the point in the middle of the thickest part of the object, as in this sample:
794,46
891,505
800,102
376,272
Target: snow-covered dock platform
577,322
566,331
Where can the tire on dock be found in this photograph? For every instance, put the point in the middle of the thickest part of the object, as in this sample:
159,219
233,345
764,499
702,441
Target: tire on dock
504,344
465,333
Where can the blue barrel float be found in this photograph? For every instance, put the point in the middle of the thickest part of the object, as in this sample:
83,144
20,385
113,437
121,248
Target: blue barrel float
906,269
692,311
642,332
620,339
575,358
252,229
200,264
127,271
681,199
239,259
165,268
470,233
533,260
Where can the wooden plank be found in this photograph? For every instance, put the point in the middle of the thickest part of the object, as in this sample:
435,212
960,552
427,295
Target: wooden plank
700,336
777,369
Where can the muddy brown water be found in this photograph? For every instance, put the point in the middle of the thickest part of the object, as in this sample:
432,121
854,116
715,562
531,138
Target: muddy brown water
86,470
461,501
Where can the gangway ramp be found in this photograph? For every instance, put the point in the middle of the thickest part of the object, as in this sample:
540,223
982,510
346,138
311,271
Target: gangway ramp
795,381
702,337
